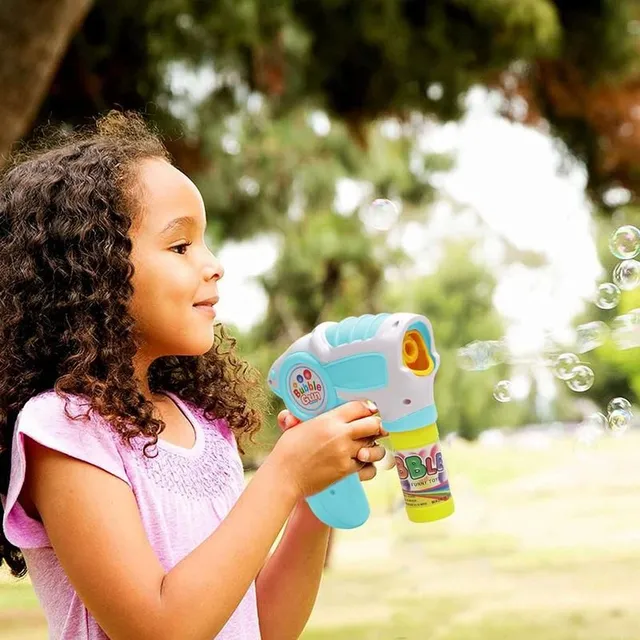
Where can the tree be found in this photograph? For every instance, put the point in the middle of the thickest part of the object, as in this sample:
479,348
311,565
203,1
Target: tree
33,40
572,65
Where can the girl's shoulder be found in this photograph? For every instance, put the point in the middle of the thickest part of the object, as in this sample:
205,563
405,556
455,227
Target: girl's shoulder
48,419
65,424
49,401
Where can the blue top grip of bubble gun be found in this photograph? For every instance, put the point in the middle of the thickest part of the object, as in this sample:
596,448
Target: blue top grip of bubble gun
389,359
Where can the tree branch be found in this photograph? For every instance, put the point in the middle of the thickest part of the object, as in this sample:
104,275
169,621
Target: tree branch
34,35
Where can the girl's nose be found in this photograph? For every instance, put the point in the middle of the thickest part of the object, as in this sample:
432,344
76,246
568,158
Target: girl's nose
214,269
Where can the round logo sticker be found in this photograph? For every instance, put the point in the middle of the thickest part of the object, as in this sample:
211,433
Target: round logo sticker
307,389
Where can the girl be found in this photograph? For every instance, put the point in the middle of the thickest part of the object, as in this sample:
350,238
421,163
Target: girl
123,413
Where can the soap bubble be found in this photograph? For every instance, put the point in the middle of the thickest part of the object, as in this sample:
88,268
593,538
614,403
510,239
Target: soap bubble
564,366
249,185
597,420
582,379
498,352
626,274
624,242
626,330
465,359
502,391
381,214
591,335
551,349
619,420
608,295
592,428
619,403
480,356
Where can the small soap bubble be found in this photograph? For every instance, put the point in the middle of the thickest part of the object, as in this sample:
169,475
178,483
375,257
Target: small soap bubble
597,420
482,355
625,330
475,356
624,242
381,214
619,420
498,352
591,335
482,352
502,391
623,321
551,349
608,295
618,403
582,379
465,359
626,274
564,366
592,428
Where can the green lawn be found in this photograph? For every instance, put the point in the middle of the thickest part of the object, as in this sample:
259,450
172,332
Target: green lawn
544,545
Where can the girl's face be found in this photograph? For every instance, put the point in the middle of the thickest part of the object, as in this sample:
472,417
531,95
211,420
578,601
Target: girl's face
174,269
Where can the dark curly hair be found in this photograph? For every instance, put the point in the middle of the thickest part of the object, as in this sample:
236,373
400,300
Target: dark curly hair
67,204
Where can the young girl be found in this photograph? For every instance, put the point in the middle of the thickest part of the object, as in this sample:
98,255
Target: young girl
123,411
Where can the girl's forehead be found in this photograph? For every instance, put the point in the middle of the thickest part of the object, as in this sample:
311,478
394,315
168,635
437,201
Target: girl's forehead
166,193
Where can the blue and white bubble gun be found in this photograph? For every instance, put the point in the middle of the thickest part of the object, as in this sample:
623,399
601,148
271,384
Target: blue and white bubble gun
391,360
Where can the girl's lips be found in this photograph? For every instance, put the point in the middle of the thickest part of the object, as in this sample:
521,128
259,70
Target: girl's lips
205,309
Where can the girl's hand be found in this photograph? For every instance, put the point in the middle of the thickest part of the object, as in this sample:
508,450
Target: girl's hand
370,453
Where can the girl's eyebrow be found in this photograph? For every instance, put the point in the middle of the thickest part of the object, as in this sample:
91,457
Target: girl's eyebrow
176,223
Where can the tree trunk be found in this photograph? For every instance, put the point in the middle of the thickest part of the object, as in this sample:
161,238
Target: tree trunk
34,35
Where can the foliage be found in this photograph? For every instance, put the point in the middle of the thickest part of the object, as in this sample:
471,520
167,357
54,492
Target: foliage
269,106
573,64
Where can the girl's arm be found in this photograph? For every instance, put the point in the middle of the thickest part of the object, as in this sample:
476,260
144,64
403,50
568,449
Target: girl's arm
94,526
288,584
104,550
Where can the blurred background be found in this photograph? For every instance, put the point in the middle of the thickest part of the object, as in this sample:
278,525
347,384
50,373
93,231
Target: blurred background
469,160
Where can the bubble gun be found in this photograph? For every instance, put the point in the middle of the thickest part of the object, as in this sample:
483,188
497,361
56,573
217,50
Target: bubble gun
389,359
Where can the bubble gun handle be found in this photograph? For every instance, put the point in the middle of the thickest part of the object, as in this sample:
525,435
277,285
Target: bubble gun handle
391,360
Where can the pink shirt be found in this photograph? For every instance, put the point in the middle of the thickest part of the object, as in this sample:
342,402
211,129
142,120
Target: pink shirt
182,494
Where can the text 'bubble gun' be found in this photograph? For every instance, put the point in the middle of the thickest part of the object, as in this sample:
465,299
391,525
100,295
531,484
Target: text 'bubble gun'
391,360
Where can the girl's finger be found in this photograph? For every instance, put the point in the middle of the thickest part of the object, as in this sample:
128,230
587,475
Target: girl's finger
286,420
370,427
388,462
371,454
368,472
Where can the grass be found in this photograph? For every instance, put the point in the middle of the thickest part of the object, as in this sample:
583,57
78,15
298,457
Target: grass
20,616
544,544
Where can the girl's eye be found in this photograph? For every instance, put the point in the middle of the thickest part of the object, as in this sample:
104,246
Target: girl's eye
184,246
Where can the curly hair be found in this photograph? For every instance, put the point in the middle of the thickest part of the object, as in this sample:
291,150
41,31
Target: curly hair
67,204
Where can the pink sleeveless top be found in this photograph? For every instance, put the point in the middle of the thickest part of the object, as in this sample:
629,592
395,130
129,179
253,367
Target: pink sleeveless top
183,495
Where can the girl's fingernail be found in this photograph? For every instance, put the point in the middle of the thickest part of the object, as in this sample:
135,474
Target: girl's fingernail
370,405
365,455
